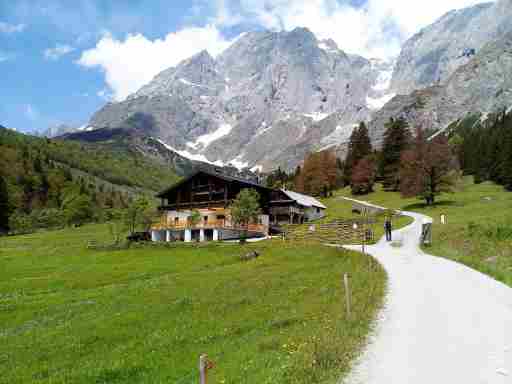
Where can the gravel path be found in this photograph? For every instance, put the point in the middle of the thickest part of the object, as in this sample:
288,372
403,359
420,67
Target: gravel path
442,322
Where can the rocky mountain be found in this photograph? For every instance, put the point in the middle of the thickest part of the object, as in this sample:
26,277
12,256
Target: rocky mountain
480,82
432,55
57,130
272,97
483,85
263,102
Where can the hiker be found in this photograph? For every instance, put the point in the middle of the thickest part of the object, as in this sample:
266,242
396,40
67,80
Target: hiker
388,228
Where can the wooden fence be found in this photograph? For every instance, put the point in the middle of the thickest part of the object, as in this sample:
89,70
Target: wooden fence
335,232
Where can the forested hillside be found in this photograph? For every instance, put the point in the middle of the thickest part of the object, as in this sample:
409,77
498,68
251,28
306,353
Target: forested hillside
49,183
485,147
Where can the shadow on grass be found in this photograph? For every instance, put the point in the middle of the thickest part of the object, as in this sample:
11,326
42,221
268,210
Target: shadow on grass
118,375
440,204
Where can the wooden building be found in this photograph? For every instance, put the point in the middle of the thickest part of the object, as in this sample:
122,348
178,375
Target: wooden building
211,194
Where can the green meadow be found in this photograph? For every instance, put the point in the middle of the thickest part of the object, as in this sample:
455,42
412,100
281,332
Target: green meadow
70,314
478,229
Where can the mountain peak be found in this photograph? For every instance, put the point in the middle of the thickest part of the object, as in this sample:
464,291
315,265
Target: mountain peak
302,31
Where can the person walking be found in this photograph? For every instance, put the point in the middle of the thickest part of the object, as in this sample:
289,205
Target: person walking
388,227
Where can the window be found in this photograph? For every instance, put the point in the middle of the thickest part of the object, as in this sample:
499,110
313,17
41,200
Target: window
206,219
317,210
176,221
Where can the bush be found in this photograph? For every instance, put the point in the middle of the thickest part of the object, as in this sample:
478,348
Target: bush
21,223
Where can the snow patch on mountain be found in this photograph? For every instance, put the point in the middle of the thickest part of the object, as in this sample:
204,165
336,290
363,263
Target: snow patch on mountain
86,128
383,80
379,102
186,82
263,128
238,163
316,116
205,140
186,154
339,136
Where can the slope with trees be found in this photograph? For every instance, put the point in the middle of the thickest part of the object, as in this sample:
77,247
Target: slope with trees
52,183
485,147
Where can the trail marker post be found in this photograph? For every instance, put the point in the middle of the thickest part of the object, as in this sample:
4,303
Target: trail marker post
204,366
347,293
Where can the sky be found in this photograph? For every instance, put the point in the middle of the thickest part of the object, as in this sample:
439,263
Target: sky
62,60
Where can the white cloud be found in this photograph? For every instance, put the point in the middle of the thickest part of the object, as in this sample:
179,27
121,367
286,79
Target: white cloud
58,51
131,63
11,28
375,29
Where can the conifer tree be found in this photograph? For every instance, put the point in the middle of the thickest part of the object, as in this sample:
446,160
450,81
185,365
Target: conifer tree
396,140
4,206
359,147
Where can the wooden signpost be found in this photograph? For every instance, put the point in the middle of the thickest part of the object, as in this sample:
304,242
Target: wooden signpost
204,366
347,294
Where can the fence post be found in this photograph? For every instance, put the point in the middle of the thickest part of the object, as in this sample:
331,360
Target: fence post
347,293
202,369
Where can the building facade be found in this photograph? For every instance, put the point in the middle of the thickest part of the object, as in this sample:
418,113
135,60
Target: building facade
198,209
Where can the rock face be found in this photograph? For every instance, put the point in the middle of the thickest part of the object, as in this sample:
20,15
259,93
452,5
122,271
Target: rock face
432,55
57,130
272,97
260,104
482,85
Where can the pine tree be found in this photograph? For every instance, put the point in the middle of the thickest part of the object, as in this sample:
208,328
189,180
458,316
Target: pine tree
396,140
506,154
359,147
4,206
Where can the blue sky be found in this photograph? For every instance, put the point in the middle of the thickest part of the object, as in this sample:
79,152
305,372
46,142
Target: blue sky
62,60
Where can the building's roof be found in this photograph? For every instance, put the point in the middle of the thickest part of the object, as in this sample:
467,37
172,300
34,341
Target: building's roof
215,174
304,200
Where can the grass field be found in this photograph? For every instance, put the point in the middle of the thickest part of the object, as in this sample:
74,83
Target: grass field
478,231
145,314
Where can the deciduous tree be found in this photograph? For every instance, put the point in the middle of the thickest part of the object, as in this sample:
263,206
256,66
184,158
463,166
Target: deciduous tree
318,175
139,215
245,209
428,168
363,176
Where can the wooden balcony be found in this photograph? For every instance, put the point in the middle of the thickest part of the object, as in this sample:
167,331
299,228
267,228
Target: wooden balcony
195,205
290,210
211,224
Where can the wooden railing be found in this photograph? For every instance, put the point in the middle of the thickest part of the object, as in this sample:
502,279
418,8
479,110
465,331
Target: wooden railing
286,211
335,232
195,204
219,224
